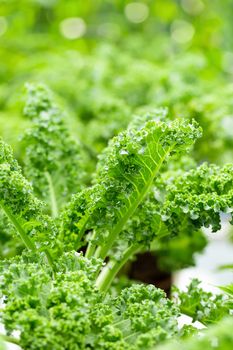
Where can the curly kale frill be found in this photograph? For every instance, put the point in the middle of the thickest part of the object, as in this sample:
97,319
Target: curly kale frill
51,313
125,174
23,210
201,194
163,216
137,203
178,206
16,191
53,162
64,310
149,312
203,306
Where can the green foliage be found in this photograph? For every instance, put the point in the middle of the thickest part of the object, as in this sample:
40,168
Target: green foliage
125,173
179,251
103,118
37,302
140,70
53,161
8,246
203,306
65,310
202,194
110,70
60,300
219,336
23,210
16,191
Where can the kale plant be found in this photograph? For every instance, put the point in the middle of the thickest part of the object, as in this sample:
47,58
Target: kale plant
77,236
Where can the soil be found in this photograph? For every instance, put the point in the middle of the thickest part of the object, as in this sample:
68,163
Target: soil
145,269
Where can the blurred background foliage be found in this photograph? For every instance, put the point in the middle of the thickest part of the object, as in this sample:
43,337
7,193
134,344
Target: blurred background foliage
108,60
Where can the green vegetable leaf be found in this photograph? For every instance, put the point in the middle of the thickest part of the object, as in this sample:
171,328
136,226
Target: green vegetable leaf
53,161
22,208
201,305
201,194
65,310
125,173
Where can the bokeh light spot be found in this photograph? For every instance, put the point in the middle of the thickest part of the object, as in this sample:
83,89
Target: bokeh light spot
136,12
73,28
182,31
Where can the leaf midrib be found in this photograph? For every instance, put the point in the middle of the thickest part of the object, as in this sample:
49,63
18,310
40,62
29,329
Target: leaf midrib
119,226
